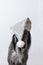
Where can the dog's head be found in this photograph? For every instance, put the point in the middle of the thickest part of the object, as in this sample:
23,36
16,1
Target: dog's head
24,43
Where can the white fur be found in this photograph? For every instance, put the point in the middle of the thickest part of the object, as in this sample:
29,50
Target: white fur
13,55
20,43
16,57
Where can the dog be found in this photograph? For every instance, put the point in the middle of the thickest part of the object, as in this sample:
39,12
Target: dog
18,49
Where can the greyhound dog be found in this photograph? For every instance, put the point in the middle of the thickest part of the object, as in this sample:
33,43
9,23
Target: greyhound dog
18,49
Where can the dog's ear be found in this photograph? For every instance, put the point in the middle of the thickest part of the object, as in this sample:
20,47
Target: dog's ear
26,37
14,40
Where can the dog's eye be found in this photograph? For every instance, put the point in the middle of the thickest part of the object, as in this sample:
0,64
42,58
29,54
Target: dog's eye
24,46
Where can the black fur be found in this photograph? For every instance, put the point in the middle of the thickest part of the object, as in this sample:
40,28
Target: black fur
26,37
14,41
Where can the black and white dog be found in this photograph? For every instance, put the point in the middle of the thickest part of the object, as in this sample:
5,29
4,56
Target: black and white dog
18,49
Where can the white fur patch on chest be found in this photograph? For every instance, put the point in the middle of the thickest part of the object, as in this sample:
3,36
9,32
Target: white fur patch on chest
16,57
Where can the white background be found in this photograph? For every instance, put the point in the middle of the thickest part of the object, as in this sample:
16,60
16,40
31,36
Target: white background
13,11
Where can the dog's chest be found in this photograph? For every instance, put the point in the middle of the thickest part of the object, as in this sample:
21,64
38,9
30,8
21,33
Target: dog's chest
20,57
